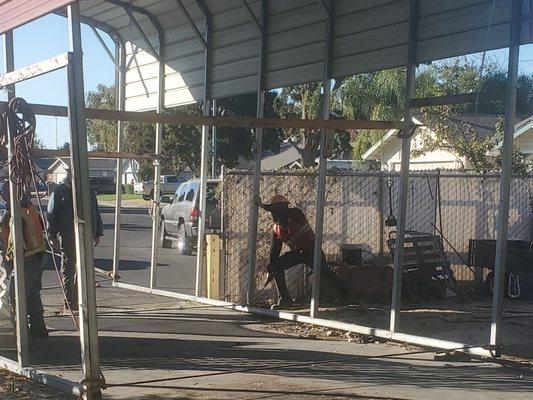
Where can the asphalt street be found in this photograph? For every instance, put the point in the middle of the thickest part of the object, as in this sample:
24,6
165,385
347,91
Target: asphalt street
174,272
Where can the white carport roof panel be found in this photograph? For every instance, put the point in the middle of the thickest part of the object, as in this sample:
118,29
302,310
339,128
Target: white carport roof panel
369,35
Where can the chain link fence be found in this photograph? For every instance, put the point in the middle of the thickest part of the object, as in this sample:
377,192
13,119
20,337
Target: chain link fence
357,205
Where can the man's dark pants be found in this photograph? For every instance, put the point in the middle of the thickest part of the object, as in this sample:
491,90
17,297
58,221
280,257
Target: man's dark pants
291,259
33,273
68,271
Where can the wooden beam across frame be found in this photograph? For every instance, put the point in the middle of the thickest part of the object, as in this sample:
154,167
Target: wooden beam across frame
244,122
454,99
51,153
34,70
227,122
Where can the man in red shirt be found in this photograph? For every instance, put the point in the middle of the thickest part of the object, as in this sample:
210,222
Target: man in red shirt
290,227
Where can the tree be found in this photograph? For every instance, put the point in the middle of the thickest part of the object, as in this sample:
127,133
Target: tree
381,95
38,143
372,96
448,132
65,146
305,101
182,144
102,134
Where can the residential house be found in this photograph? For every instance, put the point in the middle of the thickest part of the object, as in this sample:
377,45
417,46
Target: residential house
289,158
98,167
42,165
130,172
387,151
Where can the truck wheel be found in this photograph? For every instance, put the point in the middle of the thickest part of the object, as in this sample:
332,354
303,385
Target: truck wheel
163,241
184,243
146,197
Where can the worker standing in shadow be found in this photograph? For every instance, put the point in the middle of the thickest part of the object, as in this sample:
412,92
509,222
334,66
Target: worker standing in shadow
34,248
290,227
60,222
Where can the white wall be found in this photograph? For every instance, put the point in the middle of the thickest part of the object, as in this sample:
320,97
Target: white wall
438,159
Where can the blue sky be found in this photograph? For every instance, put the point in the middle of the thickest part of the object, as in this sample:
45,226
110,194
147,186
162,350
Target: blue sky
47,37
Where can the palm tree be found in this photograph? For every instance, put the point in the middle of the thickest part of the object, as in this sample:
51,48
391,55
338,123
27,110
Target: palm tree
371,96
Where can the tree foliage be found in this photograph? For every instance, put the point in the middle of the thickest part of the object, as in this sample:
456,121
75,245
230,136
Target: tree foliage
102,134
372,96
305,102
181,144
381,96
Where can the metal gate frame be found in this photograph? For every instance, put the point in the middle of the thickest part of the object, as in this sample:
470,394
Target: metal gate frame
76,112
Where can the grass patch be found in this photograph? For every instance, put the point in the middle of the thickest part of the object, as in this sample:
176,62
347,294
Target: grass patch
112,197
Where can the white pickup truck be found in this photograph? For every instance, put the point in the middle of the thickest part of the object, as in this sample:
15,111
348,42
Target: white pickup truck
167,185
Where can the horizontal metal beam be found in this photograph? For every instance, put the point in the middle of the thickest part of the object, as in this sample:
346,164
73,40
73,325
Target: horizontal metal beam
359,329
44,153
34,70
228,122
245,122
112,32
56,382
42,109
463,98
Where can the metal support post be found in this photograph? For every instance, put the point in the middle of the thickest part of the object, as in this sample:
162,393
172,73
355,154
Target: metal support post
404,174
156,217
381,210
16,228
322,164
120,86
82,211
505,180
256,188
204,151
214,144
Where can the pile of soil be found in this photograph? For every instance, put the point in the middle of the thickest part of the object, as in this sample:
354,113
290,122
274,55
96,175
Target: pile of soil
16,387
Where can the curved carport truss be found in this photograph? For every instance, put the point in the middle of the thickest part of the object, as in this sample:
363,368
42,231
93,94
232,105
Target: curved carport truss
175,52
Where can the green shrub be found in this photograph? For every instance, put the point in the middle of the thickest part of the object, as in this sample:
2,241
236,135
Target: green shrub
128,188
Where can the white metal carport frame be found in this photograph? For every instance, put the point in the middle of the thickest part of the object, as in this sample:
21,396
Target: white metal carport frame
77,112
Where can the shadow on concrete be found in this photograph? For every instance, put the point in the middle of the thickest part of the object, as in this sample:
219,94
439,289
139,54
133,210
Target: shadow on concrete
127,227
201,343
127,211
125,265
211,357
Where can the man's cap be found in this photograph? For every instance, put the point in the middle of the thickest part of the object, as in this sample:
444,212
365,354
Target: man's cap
279,199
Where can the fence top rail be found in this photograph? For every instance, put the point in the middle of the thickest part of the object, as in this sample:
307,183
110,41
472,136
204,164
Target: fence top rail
385,174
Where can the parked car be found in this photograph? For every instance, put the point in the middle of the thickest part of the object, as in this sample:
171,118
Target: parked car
167,185
179,219
103,184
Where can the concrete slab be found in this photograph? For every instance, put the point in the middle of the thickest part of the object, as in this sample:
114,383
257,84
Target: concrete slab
156,348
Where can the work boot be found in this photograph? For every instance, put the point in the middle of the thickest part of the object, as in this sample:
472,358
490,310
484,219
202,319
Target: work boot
38,334
283,302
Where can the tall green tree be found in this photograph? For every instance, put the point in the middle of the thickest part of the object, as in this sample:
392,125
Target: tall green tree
381,95
102,134
372,96
305,101
181,144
